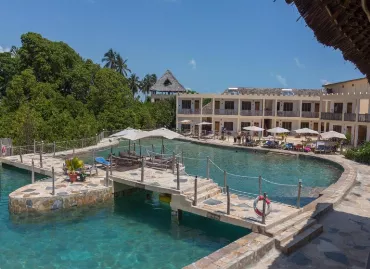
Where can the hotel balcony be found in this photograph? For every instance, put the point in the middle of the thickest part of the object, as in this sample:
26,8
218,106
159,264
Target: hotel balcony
251,113
207,111
288,113
189,111
307,114
226,112
331,116
364,117
350,116
269,113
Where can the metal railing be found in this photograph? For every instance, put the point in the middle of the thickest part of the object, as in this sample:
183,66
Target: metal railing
226,112
288,113
188,111
269,113
364,117
331,116
207,111
350,116
251,112
308,114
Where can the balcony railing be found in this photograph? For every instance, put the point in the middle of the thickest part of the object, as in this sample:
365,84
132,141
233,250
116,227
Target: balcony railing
331,116
308,114
350,116
189,111
364,117
288,113
251,113
269,113
207,111
226,112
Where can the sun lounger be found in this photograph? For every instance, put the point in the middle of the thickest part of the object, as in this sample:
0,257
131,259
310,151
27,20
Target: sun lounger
102,161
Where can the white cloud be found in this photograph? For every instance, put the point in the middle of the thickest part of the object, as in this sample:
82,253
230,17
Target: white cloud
282,80
324,81
298,63
193,63
4,49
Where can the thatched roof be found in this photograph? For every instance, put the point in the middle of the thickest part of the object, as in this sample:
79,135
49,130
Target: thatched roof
168,83
341,24
274,91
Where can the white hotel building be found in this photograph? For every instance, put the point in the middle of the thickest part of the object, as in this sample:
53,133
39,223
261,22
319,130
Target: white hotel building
343,107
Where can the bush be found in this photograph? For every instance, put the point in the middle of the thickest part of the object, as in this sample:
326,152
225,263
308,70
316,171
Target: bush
360,154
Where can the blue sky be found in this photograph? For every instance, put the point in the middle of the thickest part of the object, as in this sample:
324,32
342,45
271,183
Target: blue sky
208,44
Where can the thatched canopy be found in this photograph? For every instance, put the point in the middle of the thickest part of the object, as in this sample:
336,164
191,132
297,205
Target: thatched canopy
341,24
168,84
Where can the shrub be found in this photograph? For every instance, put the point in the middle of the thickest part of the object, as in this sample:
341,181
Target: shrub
360,154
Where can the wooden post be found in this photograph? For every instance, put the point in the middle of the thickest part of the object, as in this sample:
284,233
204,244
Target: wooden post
142,169
106,176
182,157
33,172
53,179
110,164
111,150
173,162
195,191
228,199
259,185
20,154
42,147
34,146
134,147
225,181
40,158
54,149
140,150
152,147
299,193
96,139
264,208
178,175
207,167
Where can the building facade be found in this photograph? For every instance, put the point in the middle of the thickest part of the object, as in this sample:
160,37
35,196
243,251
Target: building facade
342,107
166,87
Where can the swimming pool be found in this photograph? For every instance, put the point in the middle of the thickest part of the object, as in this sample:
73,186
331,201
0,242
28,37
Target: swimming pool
245,166
127,233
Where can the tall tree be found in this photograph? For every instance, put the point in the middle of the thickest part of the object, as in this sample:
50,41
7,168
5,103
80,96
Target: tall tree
121,65
134,84
148,82
14,51
110,59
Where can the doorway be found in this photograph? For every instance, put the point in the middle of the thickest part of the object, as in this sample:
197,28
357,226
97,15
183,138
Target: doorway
257,106
362,132
349,107
217,104
316,126
196,104
217,126
317,108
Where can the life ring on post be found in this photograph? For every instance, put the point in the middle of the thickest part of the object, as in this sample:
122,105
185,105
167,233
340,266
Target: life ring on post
3,149
268,206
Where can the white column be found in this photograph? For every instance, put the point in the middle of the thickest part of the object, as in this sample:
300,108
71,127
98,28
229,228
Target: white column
300,109
201,106
264,107
368,133
355,135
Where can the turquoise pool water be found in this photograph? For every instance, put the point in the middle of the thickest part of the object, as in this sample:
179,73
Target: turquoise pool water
127,233
284,170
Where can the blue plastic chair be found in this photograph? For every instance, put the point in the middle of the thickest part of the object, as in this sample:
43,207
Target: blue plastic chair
101,160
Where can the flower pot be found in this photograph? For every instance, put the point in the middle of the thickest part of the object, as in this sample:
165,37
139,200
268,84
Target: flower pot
73,177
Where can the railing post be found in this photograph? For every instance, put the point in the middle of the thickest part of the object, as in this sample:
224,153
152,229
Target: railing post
228,199
225,180
264,208
182,157
53,180
142,169
110,164
259,185
40,158
140,151
134,147
173,162
54,149
207,167
152,147
33,172
106,176
195,191
299,193
178,175
42,147
96,139
34,146
20,154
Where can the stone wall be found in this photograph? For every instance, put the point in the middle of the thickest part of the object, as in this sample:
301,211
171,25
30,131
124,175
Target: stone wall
44,204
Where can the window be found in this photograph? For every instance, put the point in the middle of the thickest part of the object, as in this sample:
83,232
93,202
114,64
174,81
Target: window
186,104
229,126
306,107
278,106
305,125
167,83
288,106
245,124
287,125
338,107
337,128
246,105
229,105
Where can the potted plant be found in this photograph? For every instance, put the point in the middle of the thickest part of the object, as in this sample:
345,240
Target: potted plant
72,166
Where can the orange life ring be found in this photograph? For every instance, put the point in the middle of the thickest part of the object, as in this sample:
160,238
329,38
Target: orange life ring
268,204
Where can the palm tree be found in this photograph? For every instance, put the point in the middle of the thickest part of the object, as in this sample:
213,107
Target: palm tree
146,84
153,79
134,84
14,51
109,59
121,65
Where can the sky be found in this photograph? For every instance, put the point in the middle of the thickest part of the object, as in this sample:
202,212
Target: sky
209,45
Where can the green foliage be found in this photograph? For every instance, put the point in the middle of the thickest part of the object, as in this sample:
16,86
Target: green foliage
360,154
206,101
74,164
48,92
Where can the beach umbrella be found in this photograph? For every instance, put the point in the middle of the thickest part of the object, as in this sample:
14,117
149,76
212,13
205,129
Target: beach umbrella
278,130
332,134
253,129
306,131
185,121
129,134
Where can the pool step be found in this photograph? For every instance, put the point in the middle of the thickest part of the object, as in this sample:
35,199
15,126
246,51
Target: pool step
278,229
209,194
202,189
301,239
293,231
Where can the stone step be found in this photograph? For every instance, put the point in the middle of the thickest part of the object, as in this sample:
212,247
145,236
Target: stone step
278,229
201,183
209,194
301,239
202,189
293,231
